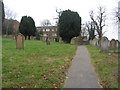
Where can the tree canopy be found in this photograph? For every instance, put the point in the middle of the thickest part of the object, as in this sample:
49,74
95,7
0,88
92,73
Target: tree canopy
69,25
27,26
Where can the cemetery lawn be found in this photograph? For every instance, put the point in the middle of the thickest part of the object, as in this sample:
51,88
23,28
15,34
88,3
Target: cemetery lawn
37,66
106,67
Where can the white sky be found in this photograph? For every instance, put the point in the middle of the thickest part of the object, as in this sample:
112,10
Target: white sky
46,9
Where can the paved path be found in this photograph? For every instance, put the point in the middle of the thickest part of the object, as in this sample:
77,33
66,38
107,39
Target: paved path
81,73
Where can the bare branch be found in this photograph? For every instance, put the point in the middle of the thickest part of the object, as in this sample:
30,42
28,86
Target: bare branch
45,22
9,14
99,20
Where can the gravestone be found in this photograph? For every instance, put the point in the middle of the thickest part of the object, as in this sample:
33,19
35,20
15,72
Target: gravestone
73,41
112,44
90,42
117,44
47,40
26,37
19,41
99,43
60,39
94,42
54,39
14,37
34,38
104,44
31,38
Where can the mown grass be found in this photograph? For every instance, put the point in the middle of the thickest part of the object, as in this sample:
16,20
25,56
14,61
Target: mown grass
36,66
106,66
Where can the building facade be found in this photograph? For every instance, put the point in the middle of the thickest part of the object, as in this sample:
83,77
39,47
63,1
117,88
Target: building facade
48,31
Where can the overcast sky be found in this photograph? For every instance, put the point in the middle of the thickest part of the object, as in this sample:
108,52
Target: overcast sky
46,9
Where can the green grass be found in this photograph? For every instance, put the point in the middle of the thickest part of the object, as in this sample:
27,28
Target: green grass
106,66
37,66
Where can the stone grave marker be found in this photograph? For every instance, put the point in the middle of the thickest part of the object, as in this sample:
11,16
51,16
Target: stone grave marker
113,44
26,37
19,41
31,38
117,44
73,41
90,42
94,42
60,39
104,44
47,40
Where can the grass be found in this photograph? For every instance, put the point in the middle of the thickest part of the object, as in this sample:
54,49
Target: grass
106,66
37,66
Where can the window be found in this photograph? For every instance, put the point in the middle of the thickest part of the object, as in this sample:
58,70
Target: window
47,29
54,34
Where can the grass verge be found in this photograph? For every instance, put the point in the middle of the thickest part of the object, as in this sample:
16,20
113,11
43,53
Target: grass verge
106,66
37,66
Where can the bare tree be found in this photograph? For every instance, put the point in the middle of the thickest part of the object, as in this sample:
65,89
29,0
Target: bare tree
90,27
9,14
45,22
59,13
117,15
84,31
99,20
9,21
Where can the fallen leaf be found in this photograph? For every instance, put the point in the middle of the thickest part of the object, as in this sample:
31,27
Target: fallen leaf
33,76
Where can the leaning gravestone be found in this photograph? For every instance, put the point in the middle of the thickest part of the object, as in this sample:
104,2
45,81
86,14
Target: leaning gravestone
73,40
104,44
113,44
19,41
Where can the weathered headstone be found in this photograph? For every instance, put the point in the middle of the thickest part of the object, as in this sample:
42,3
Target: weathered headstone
104,44
113,44
47,41
117,44
19,41
31,38
14,37
90,42
26,37
54,39
60,39
94,42
73,41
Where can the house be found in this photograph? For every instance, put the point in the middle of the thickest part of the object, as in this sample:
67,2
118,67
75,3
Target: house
48,31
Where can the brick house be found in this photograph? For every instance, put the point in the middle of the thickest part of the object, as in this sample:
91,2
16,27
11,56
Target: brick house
48,31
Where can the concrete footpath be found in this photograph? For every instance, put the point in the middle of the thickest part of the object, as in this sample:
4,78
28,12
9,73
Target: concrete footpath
81,74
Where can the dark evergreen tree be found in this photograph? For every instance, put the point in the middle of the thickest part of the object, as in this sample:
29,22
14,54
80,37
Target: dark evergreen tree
69,25
27,26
